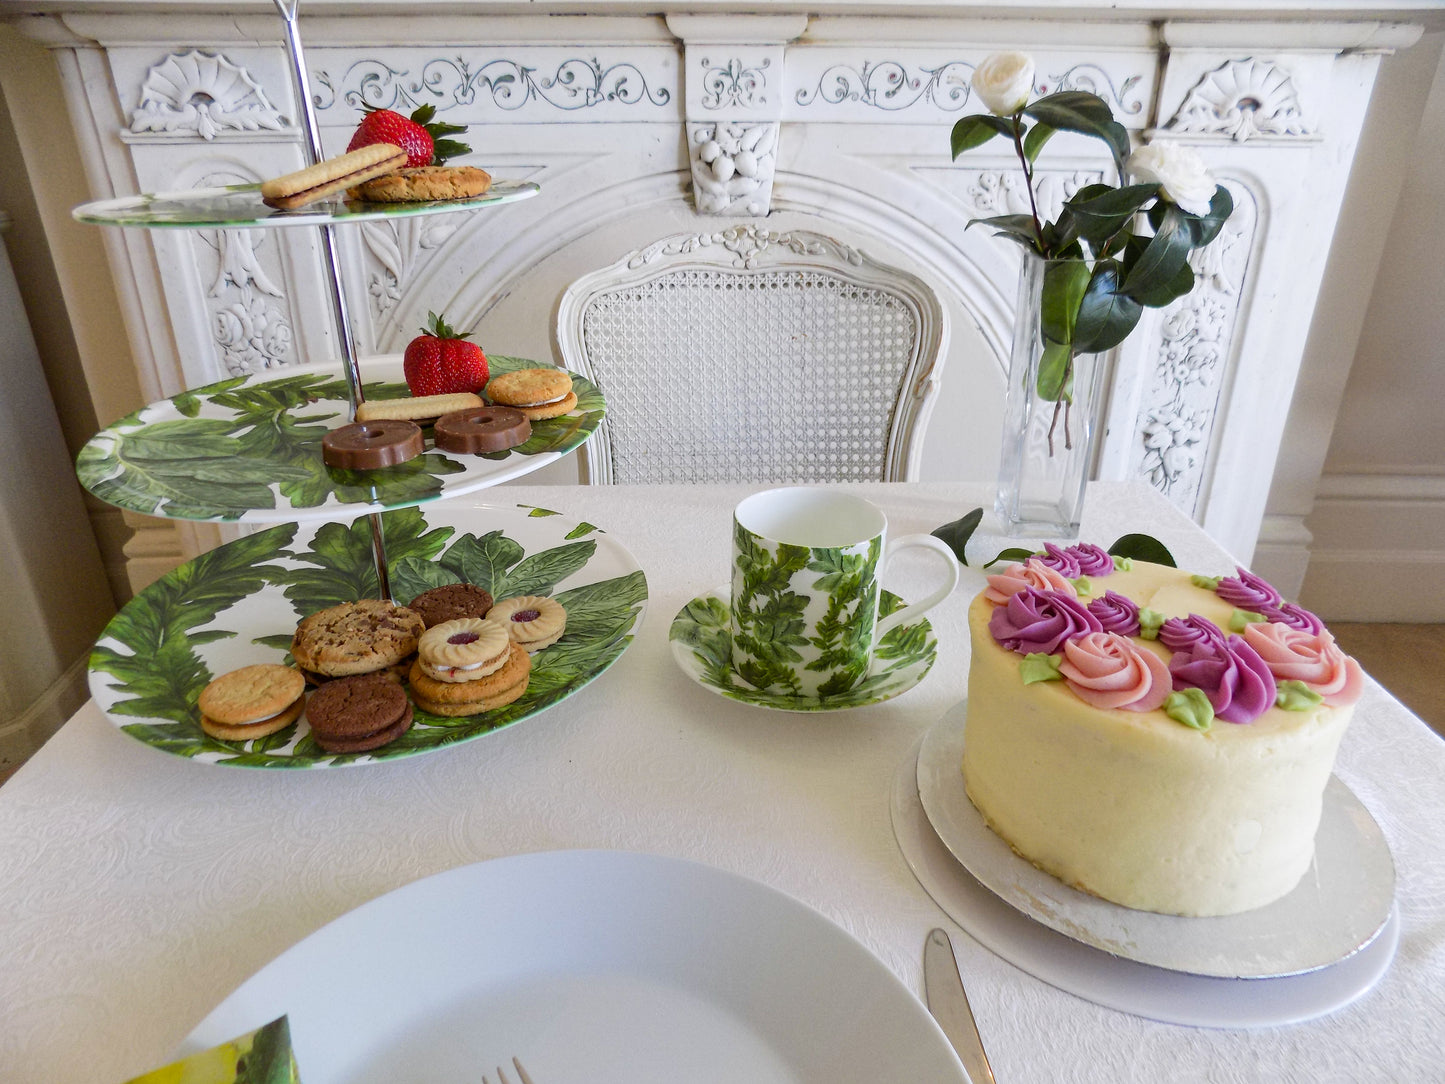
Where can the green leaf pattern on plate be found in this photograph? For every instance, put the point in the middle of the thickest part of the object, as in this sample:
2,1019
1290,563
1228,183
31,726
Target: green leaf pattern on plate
150,647
251,444
901,659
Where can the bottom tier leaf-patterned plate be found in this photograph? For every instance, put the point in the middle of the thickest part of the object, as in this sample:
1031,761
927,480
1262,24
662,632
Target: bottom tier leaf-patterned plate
702,644
239,604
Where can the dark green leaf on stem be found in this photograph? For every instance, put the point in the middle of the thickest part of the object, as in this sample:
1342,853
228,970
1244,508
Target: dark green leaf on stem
1021,226
976,130
1142,547
1160,294
1106,315
1056,372
1101,216
1162,258
1205,228
1034,141
1013,553
955,535
1087,114
1064,284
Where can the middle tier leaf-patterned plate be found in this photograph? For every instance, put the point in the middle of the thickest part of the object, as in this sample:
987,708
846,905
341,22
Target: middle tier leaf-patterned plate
702,646
239,604
248,450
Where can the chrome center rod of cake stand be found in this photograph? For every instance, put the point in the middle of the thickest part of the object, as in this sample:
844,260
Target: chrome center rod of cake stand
330,263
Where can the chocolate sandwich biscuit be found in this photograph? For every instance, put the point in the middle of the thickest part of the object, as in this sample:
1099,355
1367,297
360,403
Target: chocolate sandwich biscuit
451,602
333,175
358,714
370,445
481,430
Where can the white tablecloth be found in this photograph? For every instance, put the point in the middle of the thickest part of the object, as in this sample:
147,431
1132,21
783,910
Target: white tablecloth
137,889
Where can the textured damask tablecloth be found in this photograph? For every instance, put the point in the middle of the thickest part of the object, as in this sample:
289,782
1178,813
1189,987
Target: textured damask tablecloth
138,889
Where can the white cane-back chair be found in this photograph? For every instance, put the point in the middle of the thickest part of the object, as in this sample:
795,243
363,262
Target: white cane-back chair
753,356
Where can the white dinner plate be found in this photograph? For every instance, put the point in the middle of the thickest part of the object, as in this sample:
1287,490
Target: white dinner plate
1339,906
592,967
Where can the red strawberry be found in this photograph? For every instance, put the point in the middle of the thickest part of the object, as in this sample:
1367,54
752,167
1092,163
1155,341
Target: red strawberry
418,135
439,361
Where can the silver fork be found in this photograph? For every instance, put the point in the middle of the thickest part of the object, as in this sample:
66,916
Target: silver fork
503,1078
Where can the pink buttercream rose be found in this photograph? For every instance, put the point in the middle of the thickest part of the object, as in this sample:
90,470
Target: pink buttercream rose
1032,573
1106,670
1313,658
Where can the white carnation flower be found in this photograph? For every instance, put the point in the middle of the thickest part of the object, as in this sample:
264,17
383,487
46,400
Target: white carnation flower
1179,171
1004,81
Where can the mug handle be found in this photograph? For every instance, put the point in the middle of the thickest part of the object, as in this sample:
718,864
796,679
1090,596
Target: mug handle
917,609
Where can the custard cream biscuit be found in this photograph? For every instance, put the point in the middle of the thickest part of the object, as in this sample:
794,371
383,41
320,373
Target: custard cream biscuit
537,393
422,184
333,175
456,699
463,650
414,408
532,621
252,702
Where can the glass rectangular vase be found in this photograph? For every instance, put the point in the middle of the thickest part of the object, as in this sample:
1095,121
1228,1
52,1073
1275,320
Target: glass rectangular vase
1048,445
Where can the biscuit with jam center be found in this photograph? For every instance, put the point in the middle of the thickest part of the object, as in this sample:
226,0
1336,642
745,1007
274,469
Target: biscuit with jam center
457,699
463,650
537,393
532,621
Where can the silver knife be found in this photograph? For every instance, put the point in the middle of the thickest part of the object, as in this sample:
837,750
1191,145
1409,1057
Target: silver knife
943,988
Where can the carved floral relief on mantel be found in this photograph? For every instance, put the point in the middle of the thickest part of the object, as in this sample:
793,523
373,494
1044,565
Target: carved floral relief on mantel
1243,100
733,112
394,249
203,94
508,84
1179,410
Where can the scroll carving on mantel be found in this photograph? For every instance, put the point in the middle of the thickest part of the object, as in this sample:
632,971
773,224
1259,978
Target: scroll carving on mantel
747,243
1124,98
1243,100
1181,398
451,82
892,85
203,94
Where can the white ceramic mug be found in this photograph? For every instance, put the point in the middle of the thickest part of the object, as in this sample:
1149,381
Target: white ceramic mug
805,589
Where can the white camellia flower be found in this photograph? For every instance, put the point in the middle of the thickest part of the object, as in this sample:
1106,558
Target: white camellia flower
1179,171
1004,81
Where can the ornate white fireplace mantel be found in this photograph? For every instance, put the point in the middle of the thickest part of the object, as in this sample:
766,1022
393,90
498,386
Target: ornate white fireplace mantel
833,117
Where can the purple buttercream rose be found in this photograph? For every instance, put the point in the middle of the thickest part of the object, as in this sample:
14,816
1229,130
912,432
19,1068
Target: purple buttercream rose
1063,561
1034,621
1182,633
1093,560
1231,674
1116,613
1247,592
1296,617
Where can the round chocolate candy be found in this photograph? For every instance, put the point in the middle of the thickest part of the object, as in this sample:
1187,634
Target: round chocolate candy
368,445
481,429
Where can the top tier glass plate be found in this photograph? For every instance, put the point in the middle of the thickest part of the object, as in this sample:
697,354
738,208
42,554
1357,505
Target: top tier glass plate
238,206
248,450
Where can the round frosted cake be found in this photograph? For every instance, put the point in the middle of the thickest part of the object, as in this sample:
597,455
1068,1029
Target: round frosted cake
1158,739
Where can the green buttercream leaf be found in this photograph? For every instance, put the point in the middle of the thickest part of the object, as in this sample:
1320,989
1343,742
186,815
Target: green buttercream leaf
1209,583
1123,564
1082,585
1190,707
1240,618
1296,696
1149,622
1040,667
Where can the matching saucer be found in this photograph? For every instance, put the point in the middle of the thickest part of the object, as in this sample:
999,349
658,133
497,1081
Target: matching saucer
702,644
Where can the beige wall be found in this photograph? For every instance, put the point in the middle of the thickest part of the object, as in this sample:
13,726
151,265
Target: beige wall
1378,519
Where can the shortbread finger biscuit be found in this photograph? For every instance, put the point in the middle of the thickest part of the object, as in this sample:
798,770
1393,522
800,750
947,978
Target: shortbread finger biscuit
421,184
537,393
456,699
532,621
356,637
415,408
333,175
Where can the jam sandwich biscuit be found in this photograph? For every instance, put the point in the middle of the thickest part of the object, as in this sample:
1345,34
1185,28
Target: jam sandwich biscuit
481,430
463,650
537,393
355,638
416,408
422,184
451,602
532,621
312,183
460,698
252,702
358,714
371,445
